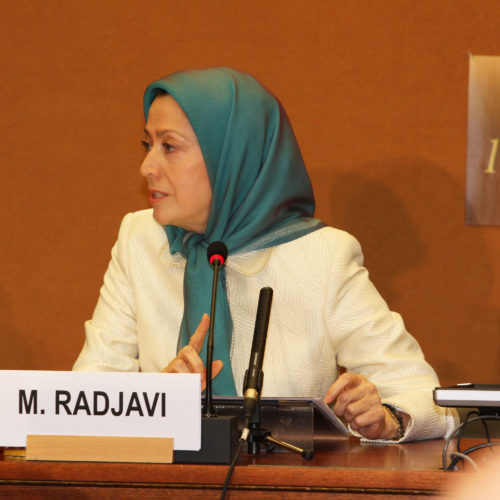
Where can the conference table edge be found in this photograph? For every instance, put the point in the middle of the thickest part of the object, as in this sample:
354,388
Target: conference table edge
275,476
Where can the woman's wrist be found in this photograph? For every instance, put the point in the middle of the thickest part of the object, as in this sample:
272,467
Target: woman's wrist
395,423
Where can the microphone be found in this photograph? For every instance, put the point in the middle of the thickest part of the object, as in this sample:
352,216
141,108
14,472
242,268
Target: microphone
219,433
217,251
252,385
216,255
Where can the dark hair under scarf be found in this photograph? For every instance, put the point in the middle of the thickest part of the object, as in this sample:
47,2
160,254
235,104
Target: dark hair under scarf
261,193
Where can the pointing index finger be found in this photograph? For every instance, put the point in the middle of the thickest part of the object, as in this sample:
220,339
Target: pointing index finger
196,340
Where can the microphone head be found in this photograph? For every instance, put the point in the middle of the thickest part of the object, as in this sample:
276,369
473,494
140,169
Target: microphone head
217,251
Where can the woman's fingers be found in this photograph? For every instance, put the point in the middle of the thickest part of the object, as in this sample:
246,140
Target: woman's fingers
357,401
196,340
217,367
343,382
188,359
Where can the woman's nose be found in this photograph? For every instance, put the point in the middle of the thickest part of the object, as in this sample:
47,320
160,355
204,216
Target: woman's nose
149,166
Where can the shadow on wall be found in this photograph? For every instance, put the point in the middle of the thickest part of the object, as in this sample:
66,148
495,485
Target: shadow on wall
408,215
371,211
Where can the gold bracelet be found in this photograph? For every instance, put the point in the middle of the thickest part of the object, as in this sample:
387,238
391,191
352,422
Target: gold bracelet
396,417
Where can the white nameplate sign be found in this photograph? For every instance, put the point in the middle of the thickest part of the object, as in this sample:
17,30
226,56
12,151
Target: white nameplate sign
100,404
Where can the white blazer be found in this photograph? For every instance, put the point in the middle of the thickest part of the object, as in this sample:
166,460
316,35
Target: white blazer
326,314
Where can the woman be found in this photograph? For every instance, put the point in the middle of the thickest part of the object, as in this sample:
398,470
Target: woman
222,164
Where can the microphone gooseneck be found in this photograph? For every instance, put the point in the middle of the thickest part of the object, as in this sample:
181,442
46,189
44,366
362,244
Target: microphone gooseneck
254,376
216,255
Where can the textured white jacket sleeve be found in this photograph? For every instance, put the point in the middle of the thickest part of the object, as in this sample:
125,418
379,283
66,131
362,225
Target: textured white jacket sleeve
111,334
372,340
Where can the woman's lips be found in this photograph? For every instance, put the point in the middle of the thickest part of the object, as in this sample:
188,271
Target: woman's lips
156,197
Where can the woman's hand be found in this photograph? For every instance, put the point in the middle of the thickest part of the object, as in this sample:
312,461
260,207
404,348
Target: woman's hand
188,358
359,404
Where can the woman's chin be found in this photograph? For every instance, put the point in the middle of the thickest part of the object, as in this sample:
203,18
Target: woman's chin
164,220
160,218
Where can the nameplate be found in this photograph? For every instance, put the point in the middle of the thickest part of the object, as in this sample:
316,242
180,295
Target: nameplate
100,404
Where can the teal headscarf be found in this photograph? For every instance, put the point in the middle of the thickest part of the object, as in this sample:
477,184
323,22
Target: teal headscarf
261,193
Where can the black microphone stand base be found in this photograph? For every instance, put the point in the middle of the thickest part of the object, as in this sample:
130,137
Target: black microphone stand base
219,441
258,436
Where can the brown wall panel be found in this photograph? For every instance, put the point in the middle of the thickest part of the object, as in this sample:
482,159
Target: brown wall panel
376,91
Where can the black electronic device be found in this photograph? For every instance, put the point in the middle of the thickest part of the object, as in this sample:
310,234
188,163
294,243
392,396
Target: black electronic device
484,397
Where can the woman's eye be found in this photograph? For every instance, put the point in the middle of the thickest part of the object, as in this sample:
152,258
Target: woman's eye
167,146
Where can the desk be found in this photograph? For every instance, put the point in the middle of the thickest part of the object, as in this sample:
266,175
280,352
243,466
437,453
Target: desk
342,468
